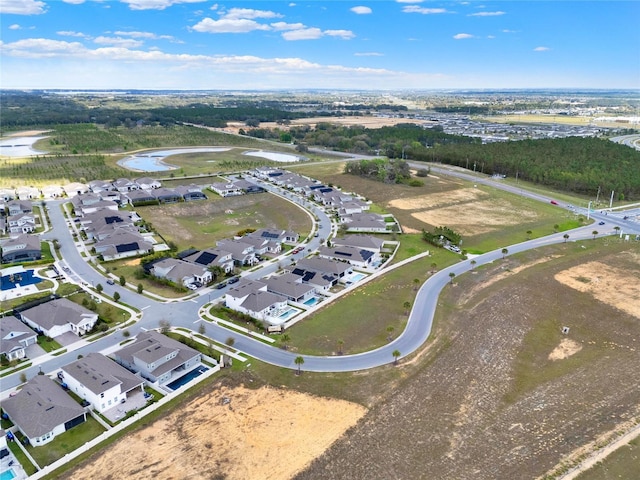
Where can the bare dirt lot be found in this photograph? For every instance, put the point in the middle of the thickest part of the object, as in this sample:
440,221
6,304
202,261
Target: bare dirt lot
494,403
364,121
260,434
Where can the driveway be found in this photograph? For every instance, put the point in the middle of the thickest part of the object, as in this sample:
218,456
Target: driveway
67,339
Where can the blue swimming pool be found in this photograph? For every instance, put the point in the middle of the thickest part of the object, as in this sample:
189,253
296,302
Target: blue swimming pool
196,372
312,301
289,313
7,282
7,475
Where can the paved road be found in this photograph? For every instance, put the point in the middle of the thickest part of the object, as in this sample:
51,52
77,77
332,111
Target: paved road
184,313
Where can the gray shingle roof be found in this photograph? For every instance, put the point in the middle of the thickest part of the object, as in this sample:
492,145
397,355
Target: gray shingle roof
58,312
99,373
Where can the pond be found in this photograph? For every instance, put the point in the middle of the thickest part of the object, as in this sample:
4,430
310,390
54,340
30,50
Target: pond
275,156
19,146
154,161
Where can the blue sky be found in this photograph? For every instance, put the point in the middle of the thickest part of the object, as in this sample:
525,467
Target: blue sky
365,45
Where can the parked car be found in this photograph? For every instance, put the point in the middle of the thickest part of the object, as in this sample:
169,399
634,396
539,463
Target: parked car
85,403
221,285
191,286
233,280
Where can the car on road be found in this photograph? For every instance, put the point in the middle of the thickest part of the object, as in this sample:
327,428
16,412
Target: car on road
601,223
233,280
553,202
221,285
110,282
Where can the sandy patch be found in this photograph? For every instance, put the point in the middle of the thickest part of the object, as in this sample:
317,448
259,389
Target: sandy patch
26,133
566,348
409,230
267,434
436,200
133,262
616,287
477,217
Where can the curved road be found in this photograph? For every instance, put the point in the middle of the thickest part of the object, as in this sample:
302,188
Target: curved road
185,313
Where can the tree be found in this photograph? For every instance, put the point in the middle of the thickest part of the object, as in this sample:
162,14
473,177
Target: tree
452,276
140,288
116,296
202,329
617,229
390,330
556,227
126,334
123,281
566,237
434,265
284,339
99,288
505,251
529,232
299,361
165,325
23,377
416,282
230,342
473,264
594,233
396,356
407,307
340,345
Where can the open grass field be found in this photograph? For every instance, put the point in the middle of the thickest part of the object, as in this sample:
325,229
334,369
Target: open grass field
498,400
200,224
620,465
476,212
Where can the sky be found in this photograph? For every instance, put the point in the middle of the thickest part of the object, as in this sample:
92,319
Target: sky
361,45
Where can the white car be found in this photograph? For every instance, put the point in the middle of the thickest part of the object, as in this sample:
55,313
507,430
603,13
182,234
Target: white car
191,286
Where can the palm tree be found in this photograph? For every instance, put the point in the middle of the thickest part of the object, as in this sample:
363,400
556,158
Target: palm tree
389,333
452,276
396,355
284,339
416,282
299,361
340,345
566,237
617,229
407,306
473,264
504,252
594,233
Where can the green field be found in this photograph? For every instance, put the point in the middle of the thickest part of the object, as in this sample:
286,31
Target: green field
624,463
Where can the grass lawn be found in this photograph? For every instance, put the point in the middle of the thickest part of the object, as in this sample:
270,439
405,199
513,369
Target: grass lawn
66,442
623,463
29,468
109,313
48,344
200,224
128,267
361,318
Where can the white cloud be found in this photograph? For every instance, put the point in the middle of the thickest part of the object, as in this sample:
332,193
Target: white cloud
368,54
409,1
280,26
155,4
506,30
541,49
71,33
292,4
360,10
22,7
118,42
462,36
311,33
74,2
15,26
422,10
487,14
249,13
344,34
148,35
208,25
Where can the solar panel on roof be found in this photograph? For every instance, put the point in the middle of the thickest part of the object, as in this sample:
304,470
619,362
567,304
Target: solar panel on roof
206,258
269,235
344,254
127,247
110,220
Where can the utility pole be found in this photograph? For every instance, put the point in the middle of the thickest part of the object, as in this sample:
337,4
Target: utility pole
598,195
589,210
611,200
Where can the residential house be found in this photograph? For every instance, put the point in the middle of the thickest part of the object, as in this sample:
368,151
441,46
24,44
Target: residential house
226,189
190,193
41,410
3,225
59,316
212,257
291,287
21,223
241,252
253,299
279,236
147,183
16,207
100,381
15,337
365,222
136,197
52,191
262,245
124,185
23,248
321,282
358,257
165,195
75,188
7,194
157,357
27,193
122,244
101,224
99,186
367,242
181,272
